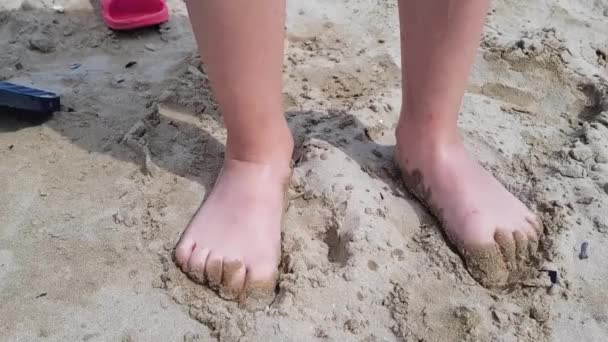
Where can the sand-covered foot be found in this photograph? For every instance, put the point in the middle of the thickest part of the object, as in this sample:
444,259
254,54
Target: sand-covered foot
233,243
496,234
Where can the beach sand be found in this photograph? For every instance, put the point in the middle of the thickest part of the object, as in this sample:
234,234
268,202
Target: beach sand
93,200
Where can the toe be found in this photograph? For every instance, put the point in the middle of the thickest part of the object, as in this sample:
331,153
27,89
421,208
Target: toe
233,279
532,244
182,253
521,247
486,264
507,247
533,234
196,264
213,270
260,281
536,223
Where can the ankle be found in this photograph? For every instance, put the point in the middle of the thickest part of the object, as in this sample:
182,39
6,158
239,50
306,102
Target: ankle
426,134
272,147
423,144
256,173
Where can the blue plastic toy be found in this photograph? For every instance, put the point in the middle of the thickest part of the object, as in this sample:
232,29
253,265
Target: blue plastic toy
28,99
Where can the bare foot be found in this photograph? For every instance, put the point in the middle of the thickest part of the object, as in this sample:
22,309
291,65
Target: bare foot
233,243
495,233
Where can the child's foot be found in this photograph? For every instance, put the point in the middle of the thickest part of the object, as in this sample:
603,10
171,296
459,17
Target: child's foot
233,243
494,232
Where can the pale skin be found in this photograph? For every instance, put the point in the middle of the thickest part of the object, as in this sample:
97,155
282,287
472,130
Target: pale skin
233,241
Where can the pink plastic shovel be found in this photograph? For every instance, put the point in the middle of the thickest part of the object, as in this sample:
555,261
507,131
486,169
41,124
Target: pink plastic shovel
132,14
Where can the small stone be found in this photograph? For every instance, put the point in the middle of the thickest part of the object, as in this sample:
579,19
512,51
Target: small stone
583,254
368,211
377,153
58,9
374,108
119,79
42,44
372,265
151,47
349,187
606,188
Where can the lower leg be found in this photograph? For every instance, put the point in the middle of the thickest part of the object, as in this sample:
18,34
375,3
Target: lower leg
241,44
439,41
494,232
233,241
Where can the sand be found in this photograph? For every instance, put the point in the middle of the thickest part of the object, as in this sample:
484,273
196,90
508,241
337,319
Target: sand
93,200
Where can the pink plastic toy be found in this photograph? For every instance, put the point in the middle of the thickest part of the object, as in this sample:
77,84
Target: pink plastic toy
132,14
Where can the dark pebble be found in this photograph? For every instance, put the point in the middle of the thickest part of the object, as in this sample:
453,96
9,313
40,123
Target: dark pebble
554,276
130,64
583,254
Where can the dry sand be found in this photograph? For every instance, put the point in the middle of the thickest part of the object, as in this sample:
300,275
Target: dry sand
93,200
